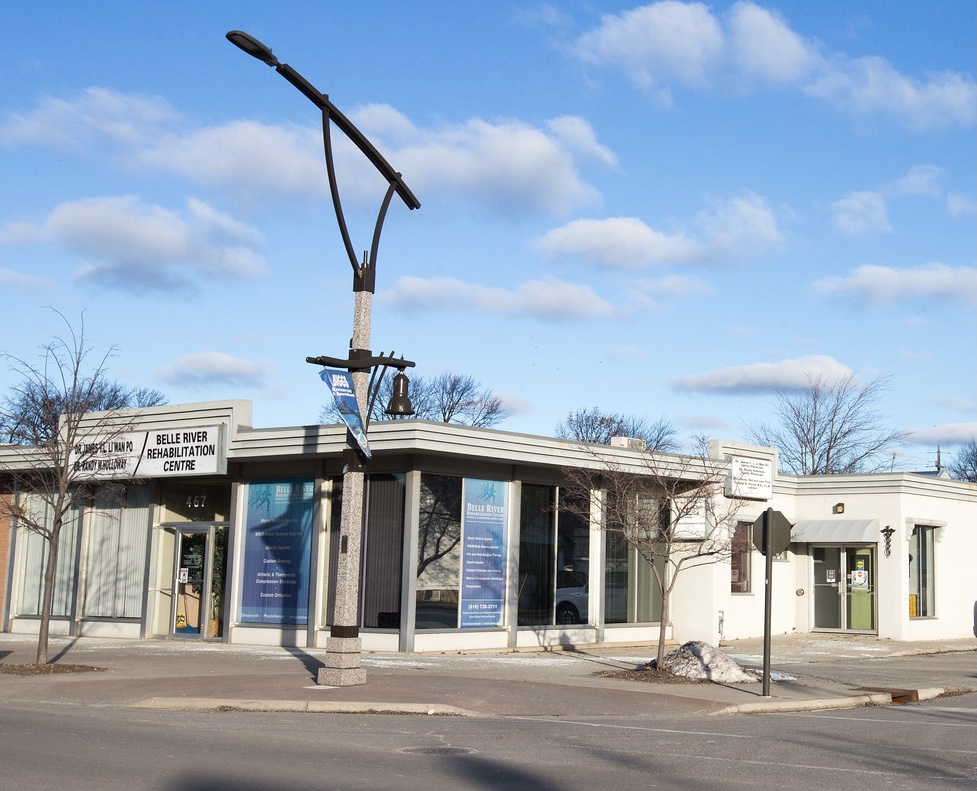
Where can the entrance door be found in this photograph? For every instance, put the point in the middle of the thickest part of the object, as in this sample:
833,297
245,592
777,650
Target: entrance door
198,582
844,588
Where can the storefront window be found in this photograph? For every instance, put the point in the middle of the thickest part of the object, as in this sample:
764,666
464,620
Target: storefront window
554,562
35,553
537,554
438,552
631,590
383,550
921,573
117,536
277,552
740,547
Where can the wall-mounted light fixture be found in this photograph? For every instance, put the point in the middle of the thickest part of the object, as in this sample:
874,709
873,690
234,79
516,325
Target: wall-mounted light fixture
838,508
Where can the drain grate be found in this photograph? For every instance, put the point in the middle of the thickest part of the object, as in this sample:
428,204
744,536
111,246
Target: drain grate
437,750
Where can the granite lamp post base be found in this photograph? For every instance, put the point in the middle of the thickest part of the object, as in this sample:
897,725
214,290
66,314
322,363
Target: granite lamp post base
342,663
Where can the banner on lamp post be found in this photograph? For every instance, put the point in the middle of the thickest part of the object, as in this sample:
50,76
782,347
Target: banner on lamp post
341,385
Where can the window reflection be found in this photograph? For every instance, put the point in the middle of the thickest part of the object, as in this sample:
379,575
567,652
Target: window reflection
438,552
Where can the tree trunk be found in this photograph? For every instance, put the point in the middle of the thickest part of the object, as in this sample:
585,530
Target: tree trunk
47,598
660,656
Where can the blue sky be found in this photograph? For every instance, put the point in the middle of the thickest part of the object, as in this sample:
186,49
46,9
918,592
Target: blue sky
666,210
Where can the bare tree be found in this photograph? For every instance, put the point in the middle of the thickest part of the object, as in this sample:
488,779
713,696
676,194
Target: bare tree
829,428
446,398
598,427
671,509
48,420
964,464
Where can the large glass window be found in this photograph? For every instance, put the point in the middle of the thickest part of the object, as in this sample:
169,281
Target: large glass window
554,562
740,558
922,576
277,552
383,550
537,554
35,554
438,552
116,555
632,593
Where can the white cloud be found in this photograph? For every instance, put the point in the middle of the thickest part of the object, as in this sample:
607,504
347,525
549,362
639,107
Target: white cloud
515,404
509,165
686,43
10,278
243,156
946,434
97,116
958,203
921,180
964,405
618,242
871,85
732,225
740,222
881,285
860,213
764,45
132,246
657,41
578,135
764,377
206,369
548,299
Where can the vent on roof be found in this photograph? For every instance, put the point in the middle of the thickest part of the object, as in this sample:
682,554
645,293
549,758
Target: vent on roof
628,442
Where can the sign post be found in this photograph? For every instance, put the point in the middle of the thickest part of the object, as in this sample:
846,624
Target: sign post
771,535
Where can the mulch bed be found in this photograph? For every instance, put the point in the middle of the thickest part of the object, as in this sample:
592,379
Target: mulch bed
650,675
46,670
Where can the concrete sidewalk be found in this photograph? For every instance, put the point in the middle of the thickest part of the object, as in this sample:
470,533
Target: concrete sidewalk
809,672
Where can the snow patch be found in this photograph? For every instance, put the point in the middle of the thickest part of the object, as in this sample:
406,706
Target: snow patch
701,661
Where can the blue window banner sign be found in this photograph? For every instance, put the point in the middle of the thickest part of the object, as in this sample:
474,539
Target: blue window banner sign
278,552
484,523
341,385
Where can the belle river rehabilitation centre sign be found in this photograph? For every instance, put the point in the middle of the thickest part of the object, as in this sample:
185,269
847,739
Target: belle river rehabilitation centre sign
160,453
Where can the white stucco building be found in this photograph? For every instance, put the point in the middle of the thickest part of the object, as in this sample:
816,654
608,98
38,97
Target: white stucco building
229,533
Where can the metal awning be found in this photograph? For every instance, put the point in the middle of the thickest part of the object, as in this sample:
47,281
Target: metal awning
835,531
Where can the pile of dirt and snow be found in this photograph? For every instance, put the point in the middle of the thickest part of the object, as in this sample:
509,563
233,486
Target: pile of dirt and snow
702,662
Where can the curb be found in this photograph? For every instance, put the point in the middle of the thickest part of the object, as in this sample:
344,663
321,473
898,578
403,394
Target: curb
775,706
317,707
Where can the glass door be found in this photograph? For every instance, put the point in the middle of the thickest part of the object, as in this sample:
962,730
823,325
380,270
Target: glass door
190,583
828,587
198,581
844,588
860,582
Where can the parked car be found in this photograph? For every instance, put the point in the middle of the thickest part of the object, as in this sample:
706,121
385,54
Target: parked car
572,600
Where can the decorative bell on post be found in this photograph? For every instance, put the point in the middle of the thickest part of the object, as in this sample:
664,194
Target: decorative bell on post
400,405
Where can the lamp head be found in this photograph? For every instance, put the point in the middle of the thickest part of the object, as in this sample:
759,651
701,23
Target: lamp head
252,46
400,405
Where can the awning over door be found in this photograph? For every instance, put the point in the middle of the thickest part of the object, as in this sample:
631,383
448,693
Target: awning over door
835,531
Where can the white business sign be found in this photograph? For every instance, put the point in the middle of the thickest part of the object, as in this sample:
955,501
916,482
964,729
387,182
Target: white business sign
750,479
692,522
195,450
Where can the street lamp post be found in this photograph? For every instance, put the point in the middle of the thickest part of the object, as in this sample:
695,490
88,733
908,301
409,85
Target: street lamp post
343,647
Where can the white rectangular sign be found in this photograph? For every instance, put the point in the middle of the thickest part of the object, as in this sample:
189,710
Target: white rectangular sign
751,479
195,450
692,522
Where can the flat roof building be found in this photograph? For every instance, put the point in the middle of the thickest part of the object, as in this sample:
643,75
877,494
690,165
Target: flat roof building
230,533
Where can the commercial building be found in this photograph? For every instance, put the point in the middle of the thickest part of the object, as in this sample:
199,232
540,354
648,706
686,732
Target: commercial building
228,532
